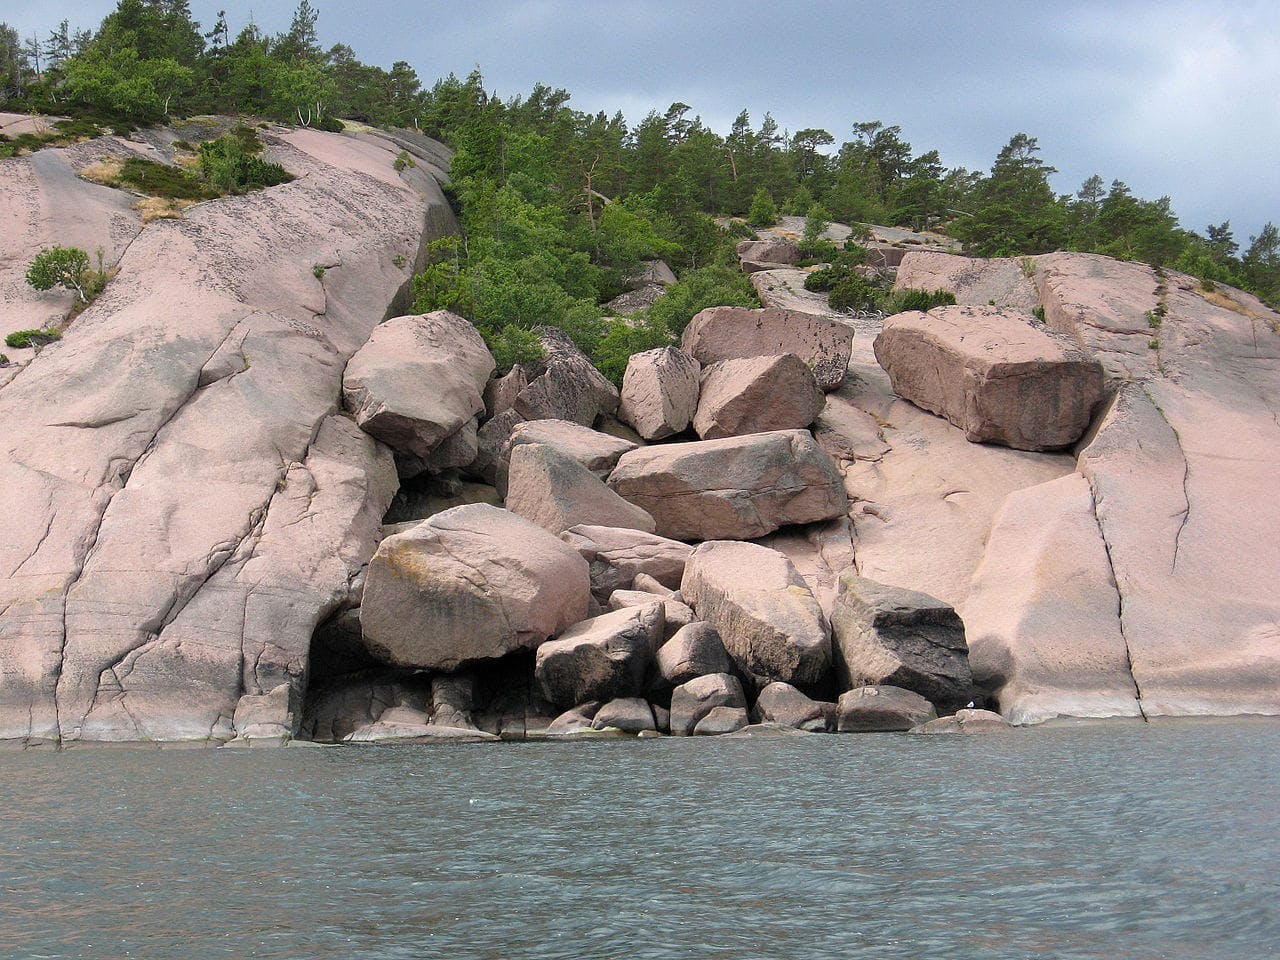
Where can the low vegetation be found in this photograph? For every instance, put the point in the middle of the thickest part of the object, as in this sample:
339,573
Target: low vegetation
21,339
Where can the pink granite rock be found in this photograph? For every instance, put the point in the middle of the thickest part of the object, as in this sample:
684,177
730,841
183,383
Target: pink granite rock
617,556
756,395
736,488
729,333
602,658
557,492
660,392
992,373
563,385
692,701
1007,282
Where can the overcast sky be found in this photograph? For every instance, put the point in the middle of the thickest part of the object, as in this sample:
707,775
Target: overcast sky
1174,98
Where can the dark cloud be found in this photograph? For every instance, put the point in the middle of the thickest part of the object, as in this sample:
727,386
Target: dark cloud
1176,98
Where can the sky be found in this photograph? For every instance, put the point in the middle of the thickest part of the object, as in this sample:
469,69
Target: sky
1174,98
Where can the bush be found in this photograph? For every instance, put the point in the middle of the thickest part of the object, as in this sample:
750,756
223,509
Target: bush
922,300
21,339
58,267
329,125
162,180
816,223
714,286
855,292
403,161
817,251
763,212
231,165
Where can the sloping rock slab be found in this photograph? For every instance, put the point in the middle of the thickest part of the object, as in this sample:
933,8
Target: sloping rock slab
597,451
1006,282
735,488
993,374
730,333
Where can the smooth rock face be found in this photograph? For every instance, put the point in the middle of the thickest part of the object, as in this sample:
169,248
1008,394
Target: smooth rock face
756,395
628,714
889,636
652,271
556,493
601,658
660,392
730,333
783,704
694,651
768,620
472,583
847,433
871,709
418,380
993,374
597,451
692,701
735,488
1000,282
616,555
179,521
564,385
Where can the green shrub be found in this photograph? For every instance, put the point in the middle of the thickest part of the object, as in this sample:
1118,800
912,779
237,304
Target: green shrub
162,180
739,230
855,292
712,286
922,300
230,163
763,212
1038,313
329,125
403,161
817,251
59,267
20,339
824,280
4,360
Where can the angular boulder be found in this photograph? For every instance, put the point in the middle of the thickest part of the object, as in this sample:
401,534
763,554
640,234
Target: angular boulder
783,704
756,395
617,555
730,333
677,615
563,385
418,380
597,451
660,392
628,714
472,583
757,255
694,651
881,708
556,493
768,620
602,658
721,720
692,701
992,373
735,488
501,392
886,635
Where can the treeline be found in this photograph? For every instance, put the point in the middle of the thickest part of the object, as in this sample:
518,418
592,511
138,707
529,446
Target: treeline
578,198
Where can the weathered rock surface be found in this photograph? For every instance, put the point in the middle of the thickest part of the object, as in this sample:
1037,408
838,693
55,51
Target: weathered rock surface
563,385
965,721
731,333
602,658
756,395
783,704
597,451
1000,282
616,555
418,381
660,392
871,709
652,271
735,488
886,635
993,374
848,433
721,720
694,651
628,714
820,552
633,301
692,701
676,614
756,255
557,492
767,619
472,583
171,519
501,392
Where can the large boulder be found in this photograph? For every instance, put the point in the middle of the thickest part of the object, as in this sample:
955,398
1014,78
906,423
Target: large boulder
757,255
597,451
660,392
783,704
602,658
882,708
692,701
694,651
628,714
992,373
472,583
418,381
730,333
756,395
768,620
563,385
616,555
888,635
735,488
557,492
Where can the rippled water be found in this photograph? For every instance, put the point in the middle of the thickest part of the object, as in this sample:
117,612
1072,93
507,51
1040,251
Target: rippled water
1122,842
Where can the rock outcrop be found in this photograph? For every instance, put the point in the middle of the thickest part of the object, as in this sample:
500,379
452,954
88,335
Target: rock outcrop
732,333
735,488
767,619
660,392
757,255
889,636
993,374
173,493
756,395
472,583
1005,282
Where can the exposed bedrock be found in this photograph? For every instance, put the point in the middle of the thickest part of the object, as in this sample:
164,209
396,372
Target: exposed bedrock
182,506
